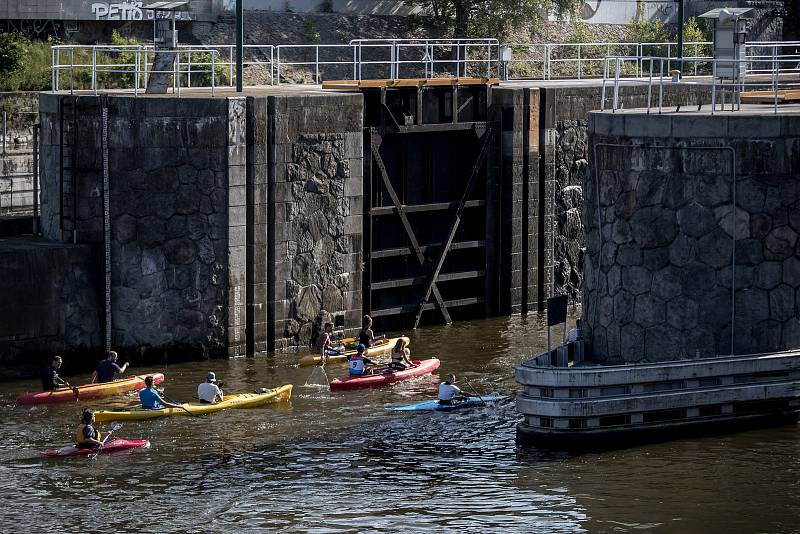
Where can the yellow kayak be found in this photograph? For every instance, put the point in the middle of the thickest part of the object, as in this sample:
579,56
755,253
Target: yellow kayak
242,400
381,346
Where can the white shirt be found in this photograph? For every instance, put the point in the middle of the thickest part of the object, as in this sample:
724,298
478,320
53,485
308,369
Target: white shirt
208,392
573,335
448,391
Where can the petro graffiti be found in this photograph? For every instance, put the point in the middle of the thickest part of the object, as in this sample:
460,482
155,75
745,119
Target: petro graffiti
117,11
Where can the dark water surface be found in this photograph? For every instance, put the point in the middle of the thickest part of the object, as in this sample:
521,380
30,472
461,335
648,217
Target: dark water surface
341,463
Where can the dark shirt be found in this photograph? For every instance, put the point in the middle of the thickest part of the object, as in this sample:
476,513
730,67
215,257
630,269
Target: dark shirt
50,379
106,370
363,338
89,433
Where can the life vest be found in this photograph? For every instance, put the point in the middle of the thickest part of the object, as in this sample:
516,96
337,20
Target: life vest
356,365
79,438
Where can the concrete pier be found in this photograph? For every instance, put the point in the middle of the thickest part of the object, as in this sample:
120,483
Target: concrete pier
692,261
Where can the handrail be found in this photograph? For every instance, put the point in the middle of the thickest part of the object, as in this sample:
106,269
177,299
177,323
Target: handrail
386,58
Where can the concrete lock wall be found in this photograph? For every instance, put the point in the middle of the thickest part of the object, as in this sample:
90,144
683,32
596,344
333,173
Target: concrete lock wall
235,223
660,275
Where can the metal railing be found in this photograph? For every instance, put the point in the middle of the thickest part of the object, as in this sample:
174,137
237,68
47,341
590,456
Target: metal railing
128,66
724,77
551,61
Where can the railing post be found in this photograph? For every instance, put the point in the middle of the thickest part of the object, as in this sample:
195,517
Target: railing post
189,75
278,64
649,86
661,85
94,70
580,67
713,85
316,65
616,83
230,67
176,70
213,87
355,61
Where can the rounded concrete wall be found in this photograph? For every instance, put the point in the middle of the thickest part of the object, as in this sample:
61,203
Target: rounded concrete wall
673,260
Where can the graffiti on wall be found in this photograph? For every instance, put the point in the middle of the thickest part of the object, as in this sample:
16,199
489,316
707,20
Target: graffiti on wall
130,10
117,11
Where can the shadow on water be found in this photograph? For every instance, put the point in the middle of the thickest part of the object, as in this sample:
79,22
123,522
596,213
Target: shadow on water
339,462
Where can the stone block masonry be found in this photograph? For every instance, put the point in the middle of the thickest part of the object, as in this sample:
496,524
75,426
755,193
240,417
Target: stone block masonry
695,247
316,209
235,222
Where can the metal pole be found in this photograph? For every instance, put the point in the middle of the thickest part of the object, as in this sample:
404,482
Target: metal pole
239,44
680,35
35,179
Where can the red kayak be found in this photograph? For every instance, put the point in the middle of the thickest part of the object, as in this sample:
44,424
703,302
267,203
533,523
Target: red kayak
89,391
115,445
424,367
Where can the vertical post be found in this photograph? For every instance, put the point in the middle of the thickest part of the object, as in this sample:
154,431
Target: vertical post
239,44
94,70
35,179
680,36
106,230
5,135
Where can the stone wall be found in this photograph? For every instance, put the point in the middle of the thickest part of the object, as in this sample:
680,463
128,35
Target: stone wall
52,304
660,274
317,212
176,200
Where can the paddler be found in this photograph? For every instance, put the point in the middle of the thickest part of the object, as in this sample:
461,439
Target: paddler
86,435
50,378
449,393
107,368
358,362
365,336
209,392
401,356
151,399
324,343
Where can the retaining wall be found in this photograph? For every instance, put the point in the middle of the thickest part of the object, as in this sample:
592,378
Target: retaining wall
662,225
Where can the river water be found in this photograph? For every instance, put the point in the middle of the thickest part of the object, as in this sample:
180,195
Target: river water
341,463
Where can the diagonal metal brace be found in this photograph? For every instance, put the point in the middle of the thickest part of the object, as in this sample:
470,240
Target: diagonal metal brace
407,225
484,150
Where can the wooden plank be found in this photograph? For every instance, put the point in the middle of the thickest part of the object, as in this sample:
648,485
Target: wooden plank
406,251
419,280
769,97
406,224
416,208
487,137
408,308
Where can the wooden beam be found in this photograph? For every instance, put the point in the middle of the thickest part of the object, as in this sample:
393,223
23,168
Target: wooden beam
415,208
406,224
408,308
406,251
419,280
484,150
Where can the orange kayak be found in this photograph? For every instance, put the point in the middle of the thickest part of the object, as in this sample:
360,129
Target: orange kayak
88,391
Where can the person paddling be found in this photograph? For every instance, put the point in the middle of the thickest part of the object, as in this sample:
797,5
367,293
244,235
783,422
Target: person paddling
151,399
366,336
358,362
86,435
401,356
324,343
50,378
209,392
449,393
107,368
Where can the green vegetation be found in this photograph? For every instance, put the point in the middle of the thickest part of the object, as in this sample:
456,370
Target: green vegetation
24,64
310,33
491,18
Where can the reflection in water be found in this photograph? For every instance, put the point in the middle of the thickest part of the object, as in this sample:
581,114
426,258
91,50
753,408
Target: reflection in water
340,462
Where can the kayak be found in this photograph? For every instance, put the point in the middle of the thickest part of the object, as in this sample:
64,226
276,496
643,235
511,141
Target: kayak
424,367
433,405
381,346
115,445
88,391
242,400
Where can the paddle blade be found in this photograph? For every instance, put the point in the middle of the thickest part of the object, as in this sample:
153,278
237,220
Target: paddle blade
318,377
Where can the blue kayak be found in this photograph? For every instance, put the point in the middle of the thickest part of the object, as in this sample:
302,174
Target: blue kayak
432,405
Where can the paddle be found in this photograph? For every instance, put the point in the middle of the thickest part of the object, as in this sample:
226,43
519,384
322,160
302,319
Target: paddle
114,426
474,390
180,405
